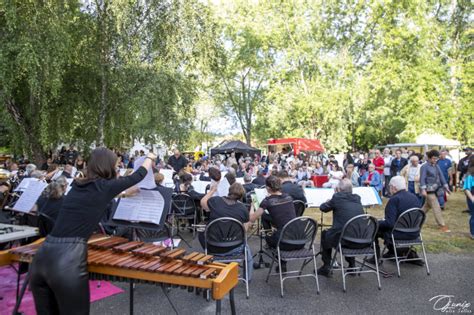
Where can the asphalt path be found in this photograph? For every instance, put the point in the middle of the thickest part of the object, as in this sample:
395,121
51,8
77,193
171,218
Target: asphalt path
451,275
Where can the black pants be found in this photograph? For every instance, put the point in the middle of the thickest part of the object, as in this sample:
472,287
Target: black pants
328,242
59,277
272,240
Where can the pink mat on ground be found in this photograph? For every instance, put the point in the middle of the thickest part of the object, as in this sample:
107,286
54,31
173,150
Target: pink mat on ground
8,292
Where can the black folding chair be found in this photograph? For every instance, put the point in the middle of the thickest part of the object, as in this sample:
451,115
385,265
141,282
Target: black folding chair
358,239
411,221
183,207
300,207
228,233
299,231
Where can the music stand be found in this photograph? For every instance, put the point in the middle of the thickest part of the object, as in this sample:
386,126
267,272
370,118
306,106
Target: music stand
166,193
134,225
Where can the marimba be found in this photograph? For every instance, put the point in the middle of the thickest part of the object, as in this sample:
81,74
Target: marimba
117,259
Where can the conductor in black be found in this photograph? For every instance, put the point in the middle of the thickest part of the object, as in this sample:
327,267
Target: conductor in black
59,277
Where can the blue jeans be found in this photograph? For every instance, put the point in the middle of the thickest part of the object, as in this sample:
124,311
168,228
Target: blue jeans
470,205
411,188
237,251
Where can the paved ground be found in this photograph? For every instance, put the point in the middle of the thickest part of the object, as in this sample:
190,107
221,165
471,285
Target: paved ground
410,294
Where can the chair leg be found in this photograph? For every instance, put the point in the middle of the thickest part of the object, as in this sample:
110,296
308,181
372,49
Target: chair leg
343,273
424,256
396,259
377,267
246,266
270,269
280,271
315,271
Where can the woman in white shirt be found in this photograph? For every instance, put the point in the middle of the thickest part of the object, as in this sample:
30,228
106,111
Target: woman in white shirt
335,175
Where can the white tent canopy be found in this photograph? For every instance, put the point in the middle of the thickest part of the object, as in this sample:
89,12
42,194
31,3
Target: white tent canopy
436,139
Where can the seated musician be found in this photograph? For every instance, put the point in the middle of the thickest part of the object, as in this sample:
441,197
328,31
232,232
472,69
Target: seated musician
400,201
229,206
276,210
345,205
214,175
185,186
52,198
260,179
289,187
248,185
58,274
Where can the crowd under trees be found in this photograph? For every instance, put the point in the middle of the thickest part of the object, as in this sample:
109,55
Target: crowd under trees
352,73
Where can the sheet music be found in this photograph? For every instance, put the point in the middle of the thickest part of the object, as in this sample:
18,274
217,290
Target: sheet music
69,186
368,195
261,194
29,197
200,186
56,175
240,180
147,206
149,181
223,187
25,182
316,196
168,174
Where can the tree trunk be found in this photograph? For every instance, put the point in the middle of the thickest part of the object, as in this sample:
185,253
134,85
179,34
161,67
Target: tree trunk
32,143
103,37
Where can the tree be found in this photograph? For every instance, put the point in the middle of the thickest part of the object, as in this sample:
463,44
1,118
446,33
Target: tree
241,66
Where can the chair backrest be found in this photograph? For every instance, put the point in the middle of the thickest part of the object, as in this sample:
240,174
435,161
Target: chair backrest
224,233
359,232
300,207
45,224
410,221
182,203
299,231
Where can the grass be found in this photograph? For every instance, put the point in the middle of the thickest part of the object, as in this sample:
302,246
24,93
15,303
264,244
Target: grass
455,242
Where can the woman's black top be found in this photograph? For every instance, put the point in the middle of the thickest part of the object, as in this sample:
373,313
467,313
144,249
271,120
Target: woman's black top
280,208
222,207
50,206
85,204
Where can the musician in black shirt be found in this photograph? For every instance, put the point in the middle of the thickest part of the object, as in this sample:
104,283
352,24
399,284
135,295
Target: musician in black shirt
59,277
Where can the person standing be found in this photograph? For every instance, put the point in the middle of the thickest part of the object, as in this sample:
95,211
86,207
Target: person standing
464,164
177,161
433,184
444,164
411,173
387,158
469,191
59,277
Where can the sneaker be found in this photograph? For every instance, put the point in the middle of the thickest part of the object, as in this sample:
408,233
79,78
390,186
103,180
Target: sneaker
324,271
472,237
444,229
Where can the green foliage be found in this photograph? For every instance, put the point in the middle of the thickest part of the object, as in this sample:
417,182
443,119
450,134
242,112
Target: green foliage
351,73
